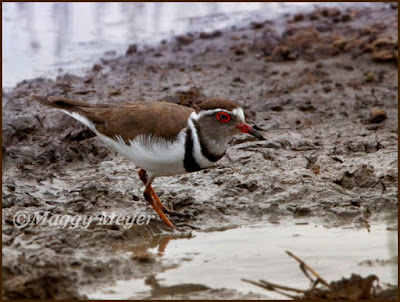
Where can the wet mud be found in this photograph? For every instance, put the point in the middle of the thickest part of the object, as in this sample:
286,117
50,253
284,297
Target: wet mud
321,88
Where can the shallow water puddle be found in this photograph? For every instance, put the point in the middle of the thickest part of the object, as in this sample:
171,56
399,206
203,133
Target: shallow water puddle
41,38
220,259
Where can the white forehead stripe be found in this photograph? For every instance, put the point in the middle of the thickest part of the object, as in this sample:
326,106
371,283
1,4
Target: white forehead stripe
238,112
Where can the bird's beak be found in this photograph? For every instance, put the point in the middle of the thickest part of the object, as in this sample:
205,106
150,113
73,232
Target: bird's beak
246,128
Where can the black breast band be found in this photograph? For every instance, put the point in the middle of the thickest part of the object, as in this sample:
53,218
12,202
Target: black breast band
189,162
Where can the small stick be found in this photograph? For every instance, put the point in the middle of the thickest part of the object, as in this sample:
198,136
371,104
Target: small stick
316,282
303,269
282,287
302,263
268,287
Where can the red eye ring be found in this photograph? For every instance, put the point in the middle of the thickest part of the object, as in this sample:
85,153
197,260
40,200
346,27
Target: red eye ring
223,117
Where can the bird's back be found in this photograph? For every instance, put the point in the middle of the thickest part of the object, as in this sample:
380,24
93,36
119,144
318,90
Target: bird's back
128,119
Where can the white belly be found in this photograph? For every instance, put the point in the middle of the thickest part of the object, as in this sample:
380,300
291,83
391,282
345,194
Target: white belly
157,156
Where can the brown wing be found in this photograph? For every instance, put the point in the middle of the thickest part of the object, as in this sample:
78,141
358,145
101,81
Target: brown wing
128,119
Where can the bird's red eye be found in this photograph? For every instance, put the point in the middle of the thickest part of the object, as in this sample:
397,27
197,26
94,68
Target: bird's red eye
223,117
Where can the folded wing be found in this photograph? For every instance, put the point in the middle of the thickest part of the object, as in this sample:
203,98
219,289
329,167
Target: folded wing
128,120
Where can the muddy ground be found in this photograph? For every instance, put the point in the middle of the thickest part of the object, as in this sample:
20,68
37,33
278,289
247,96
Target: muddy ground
322,89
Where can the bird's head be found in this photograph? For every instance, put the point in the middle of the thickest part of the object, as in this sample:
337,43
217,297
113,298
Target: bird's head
223,118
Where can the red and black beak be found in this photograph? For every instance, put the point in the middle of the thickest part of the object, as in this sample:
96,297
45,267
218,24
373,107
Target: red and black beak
246,128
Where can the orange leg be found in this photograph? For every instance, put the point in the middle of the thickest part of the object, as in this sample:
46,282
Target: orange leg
163,244
148,196
143,177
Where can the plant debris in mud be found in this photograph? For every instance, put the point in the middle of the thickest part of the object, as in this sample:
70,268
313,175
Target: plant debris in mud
353,288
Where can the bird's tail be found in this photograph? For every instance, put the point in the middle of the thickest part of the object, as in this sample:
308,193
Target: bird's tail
79,110
61,103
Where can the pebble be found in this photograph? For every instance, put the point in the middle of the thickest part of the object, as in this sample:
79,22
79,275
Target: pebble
370,77
131,49
378,116
239,51
298,17
210,35
112,92
96,67
256,25
384,55
185,39
238,80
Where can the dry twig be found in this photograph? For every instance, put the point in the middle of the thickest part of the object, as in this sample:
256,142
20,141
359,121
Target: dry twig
304,266
355,287
274,287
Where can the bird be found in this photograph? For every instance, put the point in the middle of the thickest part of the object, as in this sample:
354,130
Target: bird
161,138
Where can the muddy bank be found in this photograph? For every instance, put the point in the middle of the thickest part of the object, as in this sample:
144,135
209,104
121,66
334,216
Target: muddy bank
322,90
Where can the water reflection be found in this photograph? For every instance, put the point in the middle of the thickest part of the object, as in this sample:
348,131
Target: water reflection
61,19
220,259
153,245
158,290
25,14
40,37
